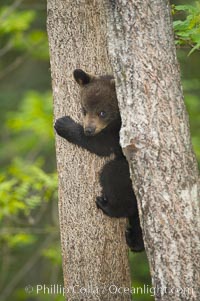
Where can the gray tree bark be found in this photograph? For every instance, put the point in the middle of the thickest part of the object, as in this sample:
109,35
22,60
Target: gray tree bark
156,141
94,251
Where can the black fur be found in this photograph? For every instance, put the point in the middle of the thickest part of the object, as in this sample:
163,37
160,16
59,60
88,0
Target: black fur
118,198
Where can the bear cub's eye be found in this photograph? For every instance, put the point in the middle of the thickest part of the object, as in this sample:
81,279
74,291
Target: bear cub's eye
102,114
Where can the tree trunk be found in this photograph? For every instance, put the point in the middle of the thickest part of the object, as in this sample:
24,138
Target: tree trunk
93,245
156,141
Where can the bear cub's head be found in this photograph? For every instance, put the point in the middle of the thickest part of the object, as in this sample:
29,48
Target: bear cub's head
98,101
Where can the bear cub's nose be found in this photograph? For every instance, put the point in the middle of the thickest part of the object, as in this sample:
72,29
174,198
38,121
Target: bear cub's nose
89,131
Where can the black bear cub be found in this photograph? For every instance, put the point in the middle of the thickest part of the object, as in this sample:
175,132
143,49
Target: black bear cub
99,134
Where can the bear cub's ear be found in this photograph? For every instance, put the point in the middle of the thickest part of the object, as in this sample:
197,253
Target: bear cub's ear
81,77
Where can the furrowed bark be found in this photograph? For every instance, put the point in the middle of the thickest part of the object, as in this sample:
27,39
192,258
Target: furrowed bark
94,251
156,141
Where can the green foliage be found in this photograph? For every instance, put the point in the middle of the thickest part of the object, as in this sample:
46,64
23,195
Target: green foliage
15,21
30,128
15,33
23,190
53,254
187,31
35,114
24,187
29,235
42,296
34,43
17,241
140,274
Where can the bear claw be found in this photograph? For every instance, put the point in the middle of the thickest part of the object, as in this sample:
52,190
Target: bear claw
101,202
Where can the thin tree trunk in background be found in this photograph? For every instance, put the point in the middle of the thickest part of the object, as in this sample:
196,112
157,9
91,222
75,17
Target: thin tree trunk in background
156,141
94,251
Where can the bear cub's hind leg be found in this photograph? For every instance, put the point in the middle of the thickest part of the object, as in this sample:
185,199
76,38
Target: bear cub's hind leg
118,200
134,238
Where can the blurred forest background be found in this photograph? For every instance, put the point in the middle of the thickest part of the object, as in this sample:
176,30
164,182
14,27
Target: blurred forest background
29,232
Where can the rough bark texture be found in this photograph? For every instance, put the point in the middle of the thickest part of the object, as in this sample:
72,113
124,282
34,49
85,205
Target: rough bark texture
156,140
93,246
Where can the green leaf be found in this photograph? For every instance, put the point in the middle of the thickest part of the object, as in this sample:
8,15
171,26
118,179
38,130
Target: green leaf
186,7
28,187
21,240
53,254
197,47
35,115
18,21
187,31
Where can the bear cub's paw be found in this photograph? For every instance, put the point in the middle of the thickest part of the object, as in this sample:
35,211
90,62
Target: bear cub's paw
134,242
64,126
101,202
